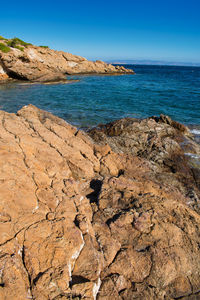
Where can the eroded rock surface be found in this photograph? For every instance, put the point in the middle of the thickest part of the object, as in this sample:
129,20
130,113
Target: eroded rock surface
113,217
3,75
43,64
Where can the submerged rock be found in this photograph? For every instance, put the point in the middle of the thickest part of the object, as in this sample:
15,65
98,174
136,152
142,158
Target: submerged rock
115,216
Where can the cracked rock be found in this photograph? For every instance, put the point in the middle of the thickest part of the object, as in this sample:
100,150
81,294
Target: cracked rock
101,216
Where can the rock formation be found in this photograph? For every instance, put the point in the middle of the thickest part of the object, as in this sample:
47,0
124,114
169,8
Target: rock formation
43,64
113,215
3,75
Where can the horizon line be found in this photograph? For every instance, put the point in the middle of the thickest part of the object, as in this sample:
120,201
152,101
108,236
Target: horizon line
152,62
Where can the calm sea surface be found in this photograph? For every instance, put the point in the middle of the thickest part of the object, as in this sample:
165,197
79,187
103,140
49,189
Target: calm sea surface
170,90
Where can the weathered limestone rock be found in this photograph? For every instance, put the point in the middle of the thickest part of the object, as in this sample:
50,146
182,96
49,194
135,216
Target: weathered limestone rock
3,75
115,219
43,64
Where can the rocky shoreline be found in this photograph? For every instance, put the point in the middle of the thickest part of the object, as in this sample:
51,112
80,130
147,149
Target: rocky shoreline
23,61
109,214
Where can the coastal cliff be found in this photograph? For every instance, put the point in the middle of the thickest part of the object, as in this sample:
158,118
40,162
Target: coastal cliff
20,60
112,214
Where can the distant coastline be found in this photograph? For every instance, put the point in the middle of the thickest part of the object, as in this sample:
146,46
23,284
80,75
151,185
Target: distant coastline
154,63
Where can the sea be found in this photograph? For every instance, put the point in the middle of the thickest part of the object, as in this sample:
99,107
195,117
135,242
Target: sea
89,100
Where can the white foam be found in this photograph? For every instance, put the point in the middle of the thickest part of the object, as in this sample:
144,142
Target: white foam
195,131
192,155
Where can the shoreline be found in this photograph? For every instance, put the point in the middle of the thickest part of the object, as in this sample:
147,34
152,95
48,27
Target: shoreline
131,96
5,79
194,128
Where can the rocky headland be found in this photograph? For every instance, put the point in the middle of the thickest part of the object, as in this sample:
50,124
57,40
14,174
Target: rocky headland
111,214
23,61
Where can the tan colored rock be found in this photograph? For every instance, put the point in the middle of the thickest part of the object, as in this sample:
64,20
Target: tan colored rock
162,143
78,220
14,283
133,265
46,65
3,77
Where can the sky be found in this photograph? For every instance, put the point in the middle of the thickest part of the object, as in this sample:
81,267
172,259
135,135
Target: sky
108,30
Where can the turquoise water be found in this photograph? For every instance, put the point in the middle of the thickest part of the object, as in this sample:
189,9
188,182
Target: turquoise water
170,90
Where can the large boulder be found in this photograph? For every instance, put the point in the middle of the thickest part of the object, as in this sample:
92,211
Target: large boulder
101,219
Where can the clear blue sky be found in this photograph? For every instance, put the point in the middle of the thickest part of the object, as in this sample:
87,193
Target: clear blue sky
135,29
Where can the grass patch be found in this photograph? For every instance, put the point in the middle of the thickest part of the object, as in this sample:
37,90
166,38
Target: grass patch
11,44
20,42
16,42
4,48
19,48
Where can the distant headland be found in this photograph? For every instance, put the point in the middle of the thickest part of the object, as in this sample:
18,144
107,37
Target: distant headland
153,62
24,61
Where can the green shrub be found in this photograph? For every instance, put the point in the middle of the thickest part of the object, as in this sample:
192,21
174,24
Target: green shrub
15,42
20,48
20,42
11,43
4,48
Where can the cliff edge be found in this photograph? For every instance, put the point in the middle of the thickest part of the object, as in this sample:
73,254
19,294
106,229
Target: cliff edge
21,60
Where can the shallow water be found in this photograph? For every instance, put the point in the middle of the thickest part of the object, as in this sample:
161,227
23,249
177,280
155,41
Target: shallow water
170,90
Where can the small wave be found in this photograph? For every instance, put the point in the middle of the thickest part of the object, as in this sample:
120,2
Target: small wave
192,155
195,131
194,160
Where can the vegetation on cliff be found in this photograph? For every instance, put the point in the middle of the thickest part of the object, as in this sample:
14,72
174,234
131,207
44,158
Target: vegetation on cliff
17,43
13,43
44,47
4,48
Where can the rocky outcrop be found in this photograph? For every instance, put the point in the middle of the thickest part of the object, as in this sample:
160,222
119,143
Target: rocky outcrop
3,75
110,216
43,64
